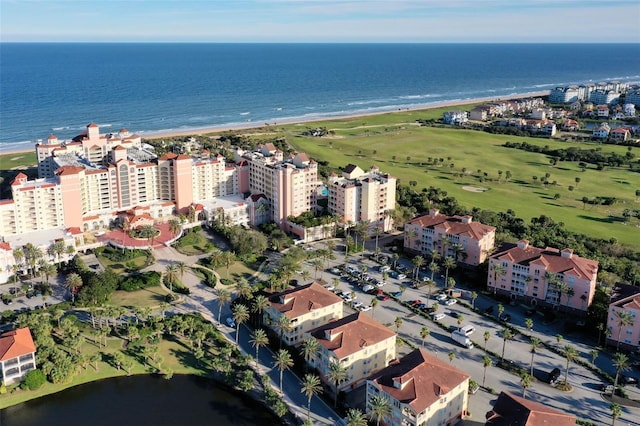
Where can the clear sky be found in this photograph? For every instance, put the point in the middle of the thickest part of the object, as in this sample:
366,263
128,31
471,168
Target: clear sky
546,21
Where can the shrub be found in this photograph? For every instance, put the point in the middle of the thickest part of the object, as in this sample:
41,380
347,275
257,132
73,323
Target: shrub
34,379
140,281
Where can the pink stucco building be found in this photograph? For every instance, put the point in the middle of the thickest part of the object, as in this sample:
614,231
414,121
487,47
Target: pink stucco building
623,317
458,237
549,276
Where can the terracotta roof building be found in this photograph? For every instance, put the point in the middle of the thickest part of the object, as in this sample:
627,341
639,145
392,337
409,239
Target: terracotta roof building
548,276
458,237
361,344
511,410
624,299
306,308
17,355
422,389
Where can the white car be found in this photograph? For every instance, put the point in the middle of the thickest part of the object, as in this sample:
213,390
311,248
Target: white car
438,316
401,276
450,302
330,287
440,297
384,268
365,308
367,288
357,305
334,270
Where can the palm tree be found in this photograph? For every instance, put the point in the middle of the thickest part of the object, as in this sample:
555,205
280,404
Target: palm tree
486,336
621,362
259,339
223,298
424,333
283,361
380,407
260,303
337,374
398,323
448,263
171,274
616,411
528,323
317,265
486,362
310,386
73,283
498,271
526,383
356,417
623,319
240,315
452,356
418,262
500,310
244,289
374,303
459,319
570,355
474,296
310,347
594,354
507,334
535,344
305,275
283,325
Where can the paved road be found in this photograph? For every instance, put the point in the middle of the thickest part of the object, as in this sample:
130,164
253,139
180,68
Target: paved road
203,299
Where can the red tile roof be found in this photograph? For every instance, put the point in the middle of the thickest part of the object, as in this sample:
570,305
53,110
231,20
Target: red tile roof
5,246
74,230
301,300
551,258
69,170
92,125
351,334
16,343
422,379
512,410
454,225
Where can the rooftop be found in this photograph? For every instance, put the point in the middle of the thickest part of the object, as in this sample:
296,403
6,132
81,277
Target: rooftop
16,343
301,300
512,410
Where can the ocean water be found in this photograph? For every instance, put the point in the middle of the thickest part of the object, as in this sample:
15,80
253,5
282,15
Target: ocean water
58,88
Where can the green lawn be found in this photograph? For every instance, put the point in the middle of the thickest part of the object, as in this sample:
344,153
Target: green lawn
120,267
237,270
473,150
193,244
147,297
11,165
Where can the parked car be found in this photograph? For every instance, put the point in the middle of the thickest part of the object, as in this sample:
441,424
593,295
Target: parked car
450,302
396,294
401,276
368,288
627,380
415,302
505,317
329,287
365,308
437,316
381,296
357,305
440,297
334,270
553,376
230,322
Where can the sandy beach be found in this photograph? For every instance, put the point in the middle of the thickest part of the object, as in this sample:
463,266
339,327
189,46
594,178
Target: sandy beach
254,125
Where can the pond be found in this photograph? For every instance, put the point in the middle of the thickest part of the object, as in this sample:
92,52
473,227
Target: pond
142,400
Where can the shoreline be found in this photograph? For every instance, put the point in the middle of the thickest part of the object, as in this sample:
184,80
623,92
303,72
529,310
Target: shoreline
200,131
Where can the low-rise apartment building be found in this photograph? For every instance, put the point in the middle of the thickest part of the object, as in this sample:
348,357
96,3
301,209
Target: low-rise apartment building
623,317
17,355
306,307
549,276
458,237
422,390
359,343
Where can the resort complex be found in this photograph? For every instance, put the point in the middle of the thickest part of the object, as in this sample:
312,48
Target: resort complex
399,306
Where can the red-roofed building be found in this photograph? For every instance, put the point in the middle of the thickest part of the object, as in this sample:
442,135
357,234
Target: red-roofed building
17,354
358,342
511,410
549,276
621,333
306,308
422,389
458,237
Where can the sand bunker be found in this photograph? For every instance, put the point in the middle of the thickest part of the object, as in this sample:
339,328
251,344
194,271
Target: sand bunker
474,189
